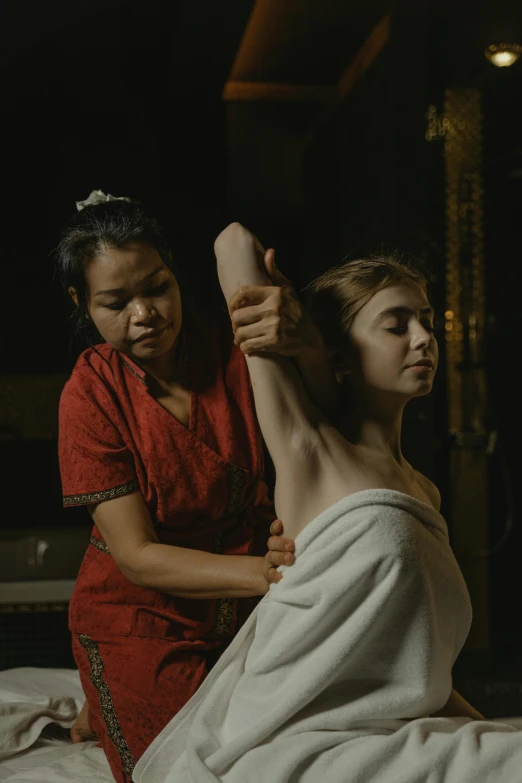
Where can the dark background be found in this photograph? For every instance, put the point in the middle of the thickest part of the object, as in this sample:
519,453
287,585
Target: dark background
127,96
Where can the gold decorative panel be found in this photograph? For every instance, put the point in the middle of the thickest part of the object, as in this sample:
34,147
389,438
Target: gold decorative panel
465,311
461,128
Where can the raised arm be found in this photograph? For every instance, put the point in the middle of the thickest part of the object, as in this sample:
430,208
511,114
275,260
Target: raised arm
289,420
273,319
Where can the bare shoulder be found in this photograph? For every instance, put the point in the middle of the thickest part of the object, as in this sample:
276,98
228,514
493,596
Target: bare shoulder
429,488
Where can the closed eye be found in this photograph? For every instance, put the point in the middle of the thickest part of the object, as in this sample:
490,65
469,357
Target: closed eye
115,305
397,329
160,289
404,328
157,291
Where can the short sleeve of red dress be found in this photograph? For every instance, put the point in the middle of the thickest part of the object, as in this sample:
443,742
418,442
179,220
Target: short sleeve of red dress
95,463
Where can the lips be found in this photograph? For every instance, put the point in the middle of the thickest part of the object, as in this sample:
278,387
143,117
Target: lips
427,363
148,335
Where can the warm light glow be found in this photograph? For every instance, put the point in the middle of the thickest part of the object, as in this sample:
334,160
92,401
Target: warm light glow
501,59
504,54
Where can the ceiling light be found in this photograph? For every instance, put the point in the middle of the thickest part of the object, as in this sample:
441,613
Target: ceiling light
503,54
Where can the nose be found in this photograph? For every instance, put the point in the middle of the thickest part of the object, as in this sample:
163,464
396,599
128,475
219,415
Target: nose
421,337
143,311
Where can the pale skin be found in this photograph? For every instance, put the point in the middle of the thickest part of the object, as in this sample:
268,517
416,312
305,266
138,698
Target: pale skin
391,358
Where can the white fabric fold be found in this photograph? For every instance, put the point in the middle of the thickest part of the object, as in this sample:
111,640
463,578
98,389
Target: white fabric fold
333,676
32,698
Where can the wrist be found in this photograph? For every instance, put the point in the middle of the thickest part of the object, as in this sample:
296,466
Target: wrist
259,581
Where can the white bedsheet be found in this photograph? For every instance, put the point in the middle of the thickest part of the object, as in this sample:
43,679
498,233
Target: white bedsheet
36,706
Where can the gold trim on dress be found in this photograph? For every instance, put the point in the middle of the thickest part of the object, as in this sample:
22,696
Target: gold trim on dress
105,494
106,703
225,616
225,607
101,545
133,371
237,478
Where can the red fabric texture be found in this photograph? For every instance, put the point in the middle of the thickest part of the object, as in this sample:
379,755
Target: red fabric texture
204,489
149,680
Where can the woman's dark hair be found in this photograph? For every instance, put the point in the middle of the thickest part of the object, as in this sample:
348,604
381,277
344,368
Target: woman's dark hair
87,234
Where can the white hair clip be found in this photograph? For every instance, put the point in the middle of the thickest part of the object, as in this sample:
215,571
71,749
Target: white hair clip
98,197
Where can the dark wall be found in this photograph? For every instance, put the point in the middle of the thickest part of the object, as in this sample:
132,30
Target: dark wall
375,186
119,98
502,105
102,104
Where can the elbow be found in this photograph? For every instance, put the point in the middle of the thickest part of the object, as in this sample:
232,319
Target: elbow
134,574
135,568
135,577
232,234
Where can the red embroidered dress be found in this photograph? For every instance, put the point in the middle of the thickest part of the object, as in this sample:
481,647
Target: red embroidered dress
142,653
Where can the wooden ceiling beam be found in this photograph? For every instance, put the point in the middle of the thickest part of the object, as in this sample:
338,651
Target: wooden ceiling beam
371,48
298,93
367,54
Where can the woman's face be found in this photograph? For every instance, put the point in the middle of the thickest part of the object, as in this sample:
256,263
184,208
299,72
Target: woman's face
394,348
134,301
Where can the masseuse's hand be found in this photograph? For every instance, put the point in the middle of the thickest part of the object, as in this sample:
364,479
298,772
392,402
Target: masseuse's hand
271,318
280,552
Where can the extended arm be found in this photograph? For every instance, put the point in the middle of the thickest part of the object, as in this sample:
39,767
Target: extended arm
272,318
127,530
288,418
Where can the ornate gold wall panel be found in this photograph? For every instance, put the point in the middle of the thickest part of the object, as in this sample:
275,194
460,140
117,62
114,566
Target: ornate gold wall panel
465,311
464,331
461,128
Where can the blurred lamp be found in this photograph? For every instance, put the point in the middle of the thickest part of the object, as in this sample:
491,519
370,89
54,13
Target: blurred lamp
503,54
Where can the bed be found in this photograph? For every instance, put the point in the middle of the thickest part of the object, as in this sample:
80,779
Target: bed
37,707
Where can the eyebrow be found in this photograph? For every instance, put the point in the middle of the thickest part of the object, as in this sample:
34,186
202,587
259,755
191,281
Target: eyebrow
401,310
122,290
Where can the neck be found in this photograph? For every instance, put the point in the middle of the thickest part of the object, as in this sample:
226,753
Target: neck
374,425
167,368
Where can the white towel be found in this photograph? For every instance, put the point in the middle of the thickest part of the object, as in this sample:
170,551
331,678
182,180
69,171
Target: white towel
333,675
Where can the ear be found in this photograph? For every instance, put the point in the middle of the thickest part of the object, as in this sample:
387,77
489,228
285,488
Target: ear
340,363
74,296
72,293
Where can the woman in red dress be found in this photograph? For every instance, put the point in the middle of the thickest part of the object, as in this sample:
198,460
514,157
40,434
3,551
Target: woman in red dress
158,438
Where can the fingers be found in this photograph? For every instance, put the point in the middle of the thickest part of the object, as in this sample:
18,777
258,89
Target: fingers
257,303
256,331
269,259
280,551
264,335
275,274
276,559
274,576
279,544
276,527
248,294
245,316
